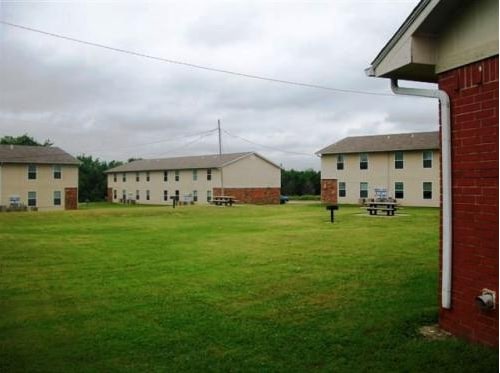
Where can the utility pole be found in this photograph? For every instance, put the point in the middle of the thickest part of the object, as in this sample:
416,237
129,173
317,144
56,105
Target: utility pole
220,157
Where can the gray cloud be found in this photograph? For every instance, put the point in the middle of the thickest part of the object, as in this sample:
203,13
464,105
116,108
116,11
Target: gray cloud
116,106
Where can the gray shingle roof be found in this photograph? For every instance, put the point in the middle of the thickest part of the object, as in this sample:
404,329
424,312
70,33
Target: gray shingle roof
383,143
183,163
35,154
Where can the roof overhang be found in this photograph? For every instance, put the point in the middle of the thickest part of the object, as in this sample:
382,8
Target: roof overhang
423,46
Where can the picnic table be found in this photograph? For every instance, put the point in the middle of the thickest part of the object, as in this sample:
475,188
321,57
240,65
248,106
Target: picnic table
223,200
389,207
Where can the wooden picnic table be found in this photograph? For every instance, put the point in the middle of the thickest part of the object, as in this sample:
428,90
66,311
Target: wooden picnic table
389,207
223,200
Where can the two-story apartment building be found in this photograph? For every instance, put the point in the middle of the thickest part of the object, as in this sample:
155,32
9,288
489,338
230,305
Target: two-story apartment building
249,177
405,166
38,176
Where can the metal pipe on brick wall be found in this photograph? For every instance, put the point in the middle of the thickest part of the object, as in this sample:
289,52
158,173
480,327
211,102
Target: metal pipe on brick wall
444,100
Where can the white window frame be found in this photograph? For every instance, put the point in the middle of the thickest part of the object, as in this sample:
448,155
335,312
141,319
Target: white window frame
32,197
361,189
430,159
32,171
340,161
362,160
344,189
396,160
424,189
57,169
396,189
57,192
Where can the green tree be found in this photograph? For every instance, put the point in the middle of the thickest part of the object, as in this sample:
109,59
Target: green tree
92,182
23,140
300,182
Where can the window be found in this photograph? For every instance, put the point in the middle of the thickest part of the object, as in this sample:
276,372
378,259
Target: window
56,171
398,160
31,198
195,175
176,175
137,176
124,177
209,195
31,172
165,195
363,190
195,195
342,192
124,195
340,162
427,189
57,198
399,190
165,175
147,195
427,158
363,161
177,195
114,178
114,193
209,174
147,176
137,195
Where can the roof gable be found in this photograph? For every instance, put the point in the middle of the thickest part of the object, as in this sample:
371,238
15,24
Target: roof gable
384,143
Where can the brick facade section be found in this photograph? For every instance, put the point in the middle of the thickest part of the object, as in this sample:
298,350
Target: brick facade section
109,195
473,91
70,198
252,195
329,191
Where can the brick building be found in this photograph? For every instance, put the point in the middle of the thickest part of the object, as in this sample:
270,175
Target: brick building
455,44
249,177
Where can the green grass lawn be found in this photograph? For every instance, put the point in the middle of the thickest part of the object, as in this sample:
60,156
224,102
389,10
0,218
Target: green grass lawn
248,288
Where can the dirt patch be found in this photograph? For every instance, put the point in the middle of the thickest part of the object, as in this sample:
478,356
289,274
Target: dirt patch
434,333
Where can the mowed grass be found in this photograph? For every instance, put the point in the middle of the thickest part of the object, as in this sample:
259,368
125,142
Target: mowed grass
248,288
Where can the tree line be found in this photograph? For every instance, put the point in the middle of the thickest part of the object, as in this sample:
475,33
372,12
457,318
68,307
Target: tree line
92,181
299,183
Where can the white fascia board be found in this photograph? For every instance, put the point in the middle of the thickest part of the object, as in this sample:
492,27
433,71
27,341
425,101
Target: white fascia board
405,48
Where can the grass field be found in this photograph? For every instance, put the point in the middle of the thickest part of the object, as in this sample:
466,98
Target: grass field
248,288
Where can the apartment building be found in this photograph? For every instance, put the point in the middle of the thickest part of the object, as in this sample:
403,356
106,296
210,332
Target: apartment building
249,177
41,177
405,166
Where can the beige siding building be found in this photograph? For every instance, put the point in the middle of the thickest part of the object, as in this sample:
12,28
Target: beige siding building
39,177
405,166
249,177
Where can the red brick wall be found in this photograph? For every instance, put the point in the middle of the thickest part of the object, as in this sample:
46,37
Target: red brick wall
473,91
252,195
70,198
329,190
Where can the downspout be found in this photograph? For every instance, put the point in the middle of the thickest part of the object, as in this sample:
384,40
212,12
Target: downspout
444,100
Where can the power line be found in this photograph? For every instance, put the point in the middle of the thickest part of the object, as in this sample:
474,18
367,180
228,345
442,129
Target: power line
196,66
266,146
186,144
156,142
52,155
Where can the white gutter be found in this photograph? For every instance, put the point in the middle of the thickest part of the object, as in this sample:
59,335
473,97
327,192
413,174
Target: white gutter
444,100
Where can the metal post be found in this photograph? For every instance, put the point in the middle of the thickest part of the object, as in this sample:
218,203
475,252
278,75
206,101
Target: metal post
220,157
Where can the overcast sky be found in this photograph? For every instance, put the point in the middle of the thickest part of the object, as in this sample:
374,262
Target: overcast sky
116,106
